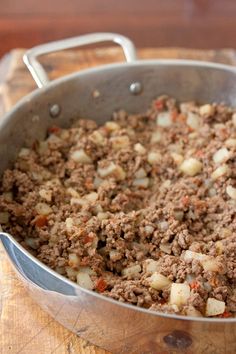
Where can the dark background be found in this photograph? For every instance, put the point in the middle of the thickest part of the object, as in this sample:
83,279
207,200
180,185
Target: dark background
150,23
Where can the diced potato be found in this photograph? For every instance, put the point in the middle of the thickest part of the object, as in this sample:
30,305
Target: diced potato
191,311
119,142
130,271
191,167
46,194
140,173
214,307
141,182
71,273
207,110
159,281
193,120
179,294
156,137
72,192
24,152
190,255
81,157
150,266
102,216
178,158
153,157
221,171
164,119
87,270
84,280
140,149
4,217
97,138
231,191
91,197
211,265
112,126
112,170
73,260
221,155
43,209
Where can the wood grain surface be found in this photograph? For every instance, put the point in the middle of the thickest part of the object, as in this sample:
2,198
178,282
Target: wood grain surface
157,23
24,327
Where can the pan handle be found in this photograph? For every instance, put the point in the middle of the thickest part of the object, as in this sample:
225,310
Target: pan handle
38,72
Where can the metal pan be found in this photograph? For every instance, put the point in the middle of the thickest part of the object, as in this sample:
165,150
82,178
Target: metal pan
118,327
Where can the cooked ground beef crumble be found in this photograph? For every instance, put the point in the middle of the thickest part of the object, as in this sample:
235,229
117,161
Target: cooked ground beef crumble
141,209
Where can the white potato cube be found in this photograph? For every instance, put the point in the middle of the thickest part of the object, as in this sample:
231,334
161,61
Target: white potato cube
141,182
214,307
191,166
43,209
231,191
193,120
130,271
81,156
220,171
179,294
221,155
84,280
164,119
140,149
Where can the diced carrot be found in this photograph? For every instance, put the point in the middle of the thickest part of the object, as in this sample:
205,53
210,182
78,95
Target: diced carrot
54,129
194,285
185,200
174,115
159,104
88,239
101,285
199,153
40,221
226,314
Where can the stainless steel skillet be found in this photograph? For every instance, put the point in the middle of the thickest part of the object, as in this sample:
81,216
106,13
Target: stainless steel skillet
117,327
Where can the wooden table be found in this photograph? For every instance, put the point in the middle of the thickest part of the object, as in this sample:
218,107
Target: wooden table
24,327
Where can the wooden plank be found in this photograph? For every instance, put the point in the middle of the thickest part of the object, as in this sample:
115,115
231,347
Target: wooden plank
24,327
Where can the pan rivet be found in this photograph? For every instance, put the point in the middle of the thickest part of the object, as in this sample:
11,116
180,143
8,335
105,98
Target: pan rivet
55,110
135,88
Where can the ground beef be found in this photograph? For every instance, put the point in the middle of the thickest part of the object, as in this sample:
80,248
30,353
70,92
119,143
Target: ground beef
141,209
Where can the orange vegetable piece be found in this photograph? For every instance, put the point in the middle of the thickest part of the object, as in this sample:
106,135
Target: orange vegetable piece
101,285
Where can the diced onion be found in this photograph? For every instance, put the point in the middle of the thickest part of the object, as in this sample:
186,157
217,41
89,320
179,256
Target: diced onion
179,294
159,281
69,224
112,170
91,197
191,167
211,265
97,138
214,307
24,152
102,216
112,126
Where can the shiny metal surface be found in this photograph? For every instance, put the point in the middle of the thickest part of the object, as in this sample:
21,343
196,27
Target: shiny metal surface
39,74
117,327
